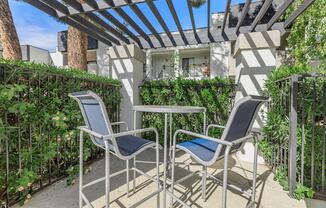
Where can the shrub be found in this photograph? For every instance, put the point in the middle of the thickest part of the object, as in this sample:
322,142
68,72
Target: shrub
38,124
215,94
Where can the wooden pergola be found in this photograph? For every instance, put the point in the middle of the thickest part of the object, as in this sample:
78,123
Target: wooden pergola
93,16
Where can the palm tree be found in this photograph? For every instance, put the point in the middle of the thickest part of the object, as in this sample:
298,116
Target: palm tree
197,3
8,33
77,47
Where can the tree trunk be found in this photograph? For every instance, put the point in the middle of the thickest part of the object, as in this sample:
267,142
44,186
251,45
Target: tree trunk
8,34
77,47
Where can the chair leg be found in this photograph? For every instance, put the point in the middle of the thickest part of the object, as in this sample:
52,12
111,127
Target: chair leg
173,170
225,176
253,198
158,172
81,140
107,176
134,177
204,176
127,179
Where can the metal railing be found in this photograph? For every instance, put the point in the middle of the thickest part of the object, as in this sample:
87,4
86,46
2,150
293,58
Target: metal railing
28,146
298,145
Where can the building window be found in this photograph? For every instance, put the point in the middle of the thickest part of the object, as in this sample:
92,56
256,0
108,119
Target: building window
187,64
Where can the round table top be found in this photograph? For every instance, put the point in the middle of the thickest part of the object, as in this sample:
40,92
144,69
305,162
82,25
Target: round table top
169,109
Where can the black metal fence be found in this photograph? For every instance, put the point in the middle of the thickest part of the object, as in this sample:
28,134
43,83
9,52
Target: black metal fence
39,141
296,131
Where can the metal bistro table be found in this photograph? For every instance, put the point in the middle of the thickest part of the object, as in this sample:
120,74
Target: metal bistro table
168,111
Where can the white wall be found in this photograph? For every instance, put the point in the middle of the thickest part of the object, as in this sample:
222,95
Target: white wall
159,61
57,59
219,59
35,54
124,63
255,56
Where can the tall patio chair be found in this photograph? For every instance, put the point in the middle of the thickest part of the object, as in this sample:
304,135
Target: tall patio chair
207,150
125,145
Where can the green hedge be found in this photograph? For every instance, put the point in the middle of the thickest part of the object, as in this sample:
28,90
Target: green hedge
38,124
310,110
215,94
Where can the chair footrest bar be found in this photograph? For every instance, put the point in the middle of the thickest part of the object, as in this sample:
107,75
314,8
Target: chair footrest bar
145,199
147,162
102,179
231,185
186,177
152,178
86,200
177,199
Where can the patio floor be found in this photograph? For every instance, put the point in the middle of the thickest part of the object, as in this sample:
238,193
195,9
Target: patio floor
269,192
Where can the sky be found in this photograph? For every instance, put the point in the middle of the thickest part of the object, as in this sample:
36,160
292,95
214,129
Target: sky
39,29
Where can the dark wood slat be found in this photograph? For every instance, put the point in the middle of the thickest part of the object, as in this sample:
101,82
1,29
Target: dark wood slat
74,4
81,20
260,14
229,35
52,12
209,35
131,22
226,14
57,6
122,27
279,13
159,18
134,25
91,26
193,21
99,5
148,24
289,21
93,4
176,20
108,27
244,13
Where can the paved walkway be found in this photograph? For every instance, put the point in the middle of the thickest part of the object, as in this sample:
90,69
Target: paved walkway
269,192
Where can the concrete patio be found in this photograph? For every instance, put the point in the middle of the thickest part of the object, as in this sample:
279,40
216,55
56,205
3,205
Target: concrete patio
269,192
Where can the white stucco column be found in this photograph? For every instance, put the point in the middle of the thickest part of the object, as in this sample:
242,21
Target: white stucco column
255,56
127,66
149,63
219,59
176,63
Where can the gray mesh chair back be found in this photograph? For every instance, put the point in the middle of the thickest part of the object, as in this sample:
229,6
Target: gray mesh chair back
241,120
94,114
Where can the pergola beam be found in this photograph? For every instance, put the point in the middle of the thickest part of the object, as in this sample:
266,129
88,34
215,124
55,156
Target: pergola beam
244,13
193,21
279,13
226,14
108,27
159,18
176,20
260,14
93,6
81,20
122,27
289,21
229,35
52,12
148,24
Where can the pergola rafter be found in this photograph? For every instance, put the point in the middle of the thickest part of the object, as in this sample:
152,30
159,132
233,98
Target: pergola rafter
119,25
176,20
134,25
159,18
260,14
226,14
142,17
244,13
94,18
193,21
